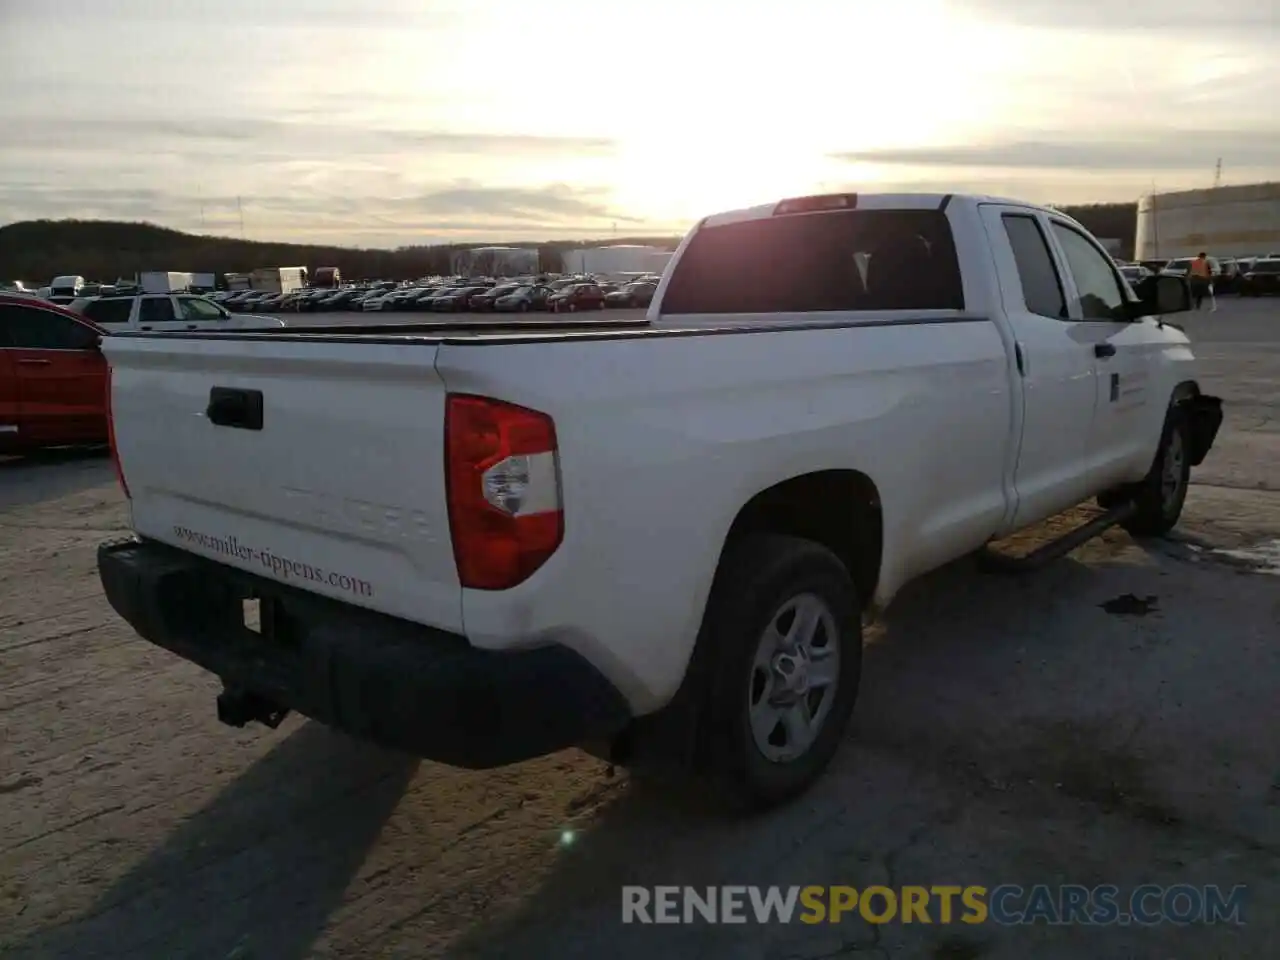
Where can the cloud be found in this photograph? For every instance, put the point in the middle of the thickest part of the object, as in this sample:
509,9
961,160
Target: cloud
1243,17
461,210
1058,150
519,203
267,139
334,14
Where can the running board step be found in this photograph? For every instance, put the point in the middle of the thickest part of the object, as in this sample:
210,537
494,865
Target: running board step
995,562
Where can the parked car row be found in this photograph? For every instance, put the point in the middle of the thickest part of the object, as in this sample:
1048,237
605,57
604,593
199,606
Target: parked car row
456,294
1247,276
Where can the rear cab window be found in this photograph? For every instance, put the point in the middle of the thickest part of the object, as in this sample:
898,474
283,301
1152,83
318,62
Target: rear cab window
842,260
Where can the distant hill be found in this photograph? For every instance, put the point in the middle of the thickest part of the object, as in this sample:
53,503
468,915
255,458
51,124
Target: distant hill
1108,221
38,250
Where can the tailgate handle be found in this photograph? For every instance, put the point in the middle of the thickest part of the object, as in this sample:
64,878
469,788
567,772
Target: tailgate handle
231,407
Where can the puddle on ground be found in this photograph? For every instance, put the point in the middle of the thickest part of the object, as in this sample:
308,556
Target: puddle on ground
1263,558
1130,605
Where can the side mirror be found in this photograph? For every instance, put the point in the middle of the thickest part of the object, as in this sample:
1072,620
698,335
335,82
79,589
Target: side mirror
1161,294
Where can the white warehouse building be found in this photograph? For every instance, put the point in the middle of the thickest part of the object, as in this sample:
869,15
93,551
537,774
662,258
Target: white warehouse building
495,261
616,260
1223,222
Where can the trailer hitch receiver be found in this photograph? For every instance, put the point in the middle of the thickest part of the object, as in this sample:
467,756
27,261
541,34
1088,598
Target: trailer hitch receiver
238,707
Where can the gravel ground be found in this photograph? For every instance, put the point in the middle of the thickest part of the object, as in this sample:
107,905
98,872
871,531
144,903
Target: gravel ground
1009,731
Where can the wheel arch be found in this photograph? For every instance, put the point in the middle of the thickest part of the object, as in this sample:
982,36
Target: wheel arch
1184,391
839,509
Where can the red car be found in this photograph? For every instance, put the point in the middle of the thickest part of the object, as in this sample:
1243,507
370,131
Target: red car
581,296
53,377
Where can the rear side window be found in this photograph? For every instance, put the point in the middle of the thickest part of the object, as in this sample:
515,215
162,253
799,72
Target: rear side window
1041,286
155,310
821,262
110,311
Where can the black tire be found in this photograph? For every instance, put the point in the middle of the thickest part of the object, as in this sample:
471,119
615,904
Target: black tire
758,577
1160,496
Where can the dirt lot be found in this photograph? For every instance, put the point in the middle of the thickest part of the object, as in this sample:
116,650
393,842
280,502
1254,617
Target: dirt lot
1008,732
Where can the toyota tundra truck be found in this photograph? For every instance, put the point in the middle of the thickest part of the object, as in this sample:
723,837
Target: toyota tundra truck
484,540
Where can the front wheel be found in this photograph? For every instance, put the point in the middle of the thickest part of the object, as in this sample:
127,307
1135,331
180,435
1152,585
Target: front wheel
1159,497
784,630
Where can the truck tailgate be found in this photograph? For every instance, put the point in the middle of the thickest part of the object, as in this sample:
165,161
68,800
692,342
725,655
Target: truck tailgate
339,490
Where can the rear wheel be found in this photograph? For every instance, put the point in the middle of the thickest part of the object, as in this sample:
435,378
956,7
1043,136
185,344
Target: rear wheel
785,632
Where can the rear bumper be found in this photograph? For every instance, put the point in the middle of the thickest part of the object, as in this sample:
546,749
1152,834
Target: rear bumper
395,683
1204,416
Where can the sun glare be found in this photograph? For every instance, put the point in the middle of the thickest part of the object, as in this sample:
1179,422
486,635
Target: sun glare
761,118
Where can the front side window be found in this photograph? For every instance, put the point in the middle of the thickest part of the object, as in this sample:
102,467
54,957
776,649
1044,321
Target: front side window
195,308
1097,286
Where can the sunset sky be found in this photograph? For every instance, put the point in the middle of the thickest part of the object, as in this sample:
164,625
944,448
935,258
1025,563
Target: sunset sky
388,122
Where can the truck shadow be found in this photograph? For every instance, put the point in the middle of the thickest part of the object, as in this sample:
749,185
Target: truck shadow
257,872
29,479
937,722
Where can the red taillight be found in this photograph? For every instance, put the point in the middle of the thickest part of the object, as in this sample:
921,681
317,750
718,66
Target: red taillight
503,487
111,440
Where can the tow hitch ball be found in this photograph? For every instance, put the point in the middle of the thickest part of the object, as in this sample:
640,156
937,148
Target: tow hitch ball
237,707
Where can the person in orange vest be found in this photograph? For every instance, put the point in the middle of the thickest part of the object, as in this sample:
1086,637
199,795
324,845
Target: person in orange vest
1201,275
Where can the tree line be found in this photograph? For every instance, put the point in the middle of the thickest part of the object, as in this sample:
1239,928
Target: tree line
35,251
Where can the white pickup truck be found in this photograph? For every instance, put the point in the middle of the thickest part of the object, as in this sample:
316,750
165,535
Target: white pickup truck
485,540
166,313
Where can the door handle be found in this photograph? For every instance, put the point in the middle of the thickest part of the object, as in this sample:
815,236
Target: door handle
31,362
1104,349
